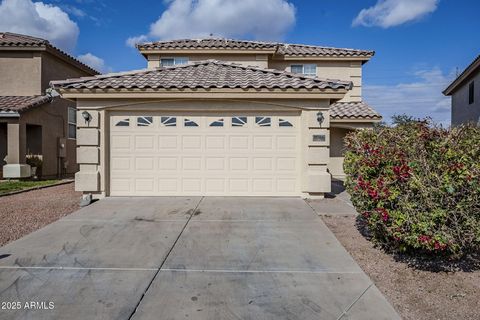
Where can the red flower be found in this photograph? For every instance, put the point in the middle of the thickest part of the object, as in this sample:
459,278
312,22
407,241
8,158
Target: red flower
383,213
424,238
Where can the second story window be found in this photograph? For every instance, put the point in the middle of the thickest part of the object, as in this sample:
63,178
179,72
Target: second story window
471,92
165,62
306,69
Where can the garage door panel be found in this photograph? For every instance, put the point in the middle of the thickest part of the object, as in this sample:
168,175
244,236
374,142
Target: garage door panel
215,164
121,163
145,185
239,143
286,185
168,185
286,142
286,164
192,142
214,155
168,142
237,163
215,143
144,163
120,142
144,143
168,163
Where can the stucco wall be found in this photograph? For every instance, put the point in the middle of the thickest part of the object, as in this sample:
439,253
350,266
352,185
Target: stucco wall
337,151
332,69
258,60
54,68
462,112
53,119
342,70
20,73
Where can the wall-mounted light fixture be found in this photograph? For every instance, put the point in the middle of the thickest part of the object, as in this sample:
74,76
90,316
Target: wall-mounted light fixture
87,116
320,117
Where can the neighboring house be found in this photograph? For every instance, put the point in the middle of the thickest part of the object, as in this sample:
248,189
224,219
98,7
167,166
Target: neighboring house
31,122
465,92
219,117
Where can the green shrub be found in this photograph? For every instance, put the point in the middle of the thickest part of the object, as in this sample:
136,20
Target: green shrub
417,186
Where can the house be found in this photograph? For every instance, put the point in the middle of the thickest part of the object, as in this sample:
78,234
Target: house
219,117
465,93
32,122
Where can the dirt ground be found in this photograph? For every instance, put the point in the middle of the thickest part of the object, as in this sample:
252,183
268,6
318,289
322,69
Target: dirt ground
23,213
415,294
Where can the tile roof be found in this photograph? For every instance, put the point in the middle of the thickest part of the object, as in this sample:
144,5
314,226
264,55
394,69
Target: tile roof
13,39
353,110
21,103
274,47
9,39
209,74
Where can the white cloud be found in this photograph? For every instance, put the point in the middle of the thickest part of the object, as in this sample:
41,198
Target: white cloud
41,20
421,98
268,20
390,13
132,41
94,62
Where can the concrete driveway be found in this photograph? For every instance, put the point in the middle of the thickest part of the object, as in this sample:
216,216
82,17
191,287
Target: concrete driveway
187,258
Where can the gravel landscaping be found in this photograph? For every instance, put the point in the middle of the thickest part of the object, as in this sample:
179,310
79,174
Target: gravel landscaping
23,213
414,293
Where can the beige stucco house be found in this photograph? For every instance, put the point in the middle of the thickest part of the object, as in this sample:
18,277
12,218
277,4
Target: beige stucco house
219,117
32,122
465,93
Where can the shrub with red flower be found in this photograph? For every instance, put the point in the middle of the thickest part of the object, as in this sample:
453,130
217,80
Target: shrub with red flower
417,186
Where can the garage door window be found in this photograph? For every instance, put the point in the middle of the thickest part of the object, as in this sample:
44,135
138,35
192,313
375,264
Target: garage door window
284,123
263,121
123,123
168,121
239,121
217,123
144,121
190,123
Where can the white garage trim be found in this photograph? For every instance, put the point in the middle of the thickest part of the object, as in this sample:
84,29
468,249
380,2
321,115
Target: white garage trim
216,154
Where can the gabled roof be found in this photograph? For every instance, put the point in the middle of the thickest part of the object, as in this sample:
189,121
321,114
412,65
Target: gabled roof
471,69
353,111
21,103
269,47
209,74
10,40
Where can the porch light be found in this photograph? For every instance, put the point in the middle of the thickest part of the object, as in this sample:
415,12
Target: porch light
86,116
320,117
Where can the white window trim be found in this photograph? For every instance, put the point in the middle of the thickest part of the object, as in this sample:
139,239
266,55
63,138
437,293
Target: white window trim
71,123
303,69
174,60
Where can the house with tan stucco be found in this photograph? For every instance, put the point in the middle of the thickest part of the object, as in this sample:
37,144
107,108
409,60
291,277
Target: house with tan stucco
33,123
219,117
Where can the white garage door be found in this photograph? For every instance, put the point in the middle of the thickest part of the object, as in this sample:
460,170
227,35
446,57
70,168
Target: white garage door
166,154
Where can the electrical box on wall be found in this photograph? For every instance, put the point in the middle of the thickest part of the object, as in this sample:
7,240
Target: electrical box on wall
62,147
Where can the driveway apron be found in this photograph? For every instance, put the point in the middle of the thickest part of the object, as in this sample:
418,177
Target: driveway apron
188,258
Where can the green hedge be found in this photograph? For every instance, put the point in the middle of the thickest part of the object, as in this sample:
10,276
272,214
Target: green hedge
417,186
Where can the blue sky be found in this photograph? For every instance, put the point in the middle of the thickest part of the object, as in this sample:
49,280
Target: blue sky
419,44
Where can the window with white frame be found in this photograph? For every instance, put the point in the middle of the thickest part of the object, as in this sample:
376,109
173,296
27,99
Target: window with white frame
72,123
165,62
306,69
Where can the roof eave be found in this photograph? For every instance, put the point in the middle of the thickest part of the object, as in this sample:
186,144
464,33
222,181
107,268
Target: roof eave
474,66
73,94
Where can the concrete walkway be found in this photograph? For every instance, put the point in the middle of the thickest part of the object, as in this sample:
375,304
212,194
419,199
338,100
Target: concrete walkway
187,258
